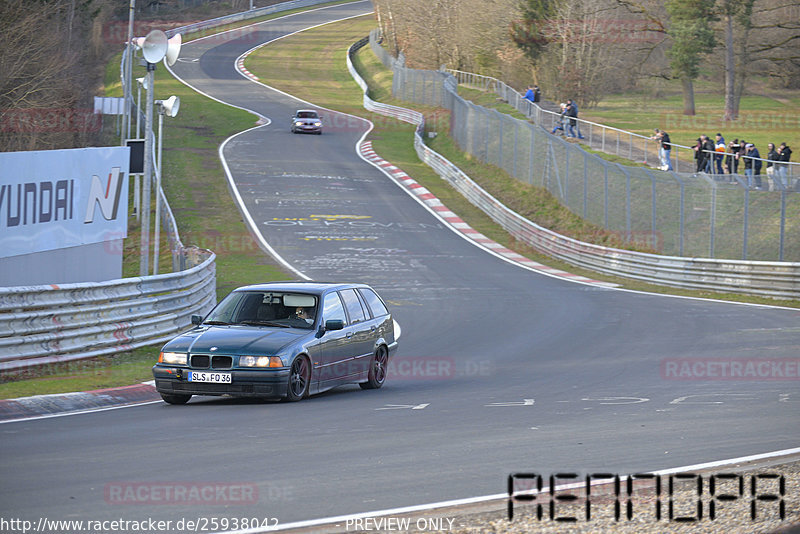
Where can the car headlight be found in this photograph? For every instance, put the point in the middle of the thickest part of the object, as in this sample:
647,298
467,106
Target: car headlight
298,123
260,361
317,124
173,358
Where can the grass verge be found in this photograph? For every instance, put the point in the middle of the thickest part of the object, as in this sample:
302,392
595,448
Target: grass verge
770,117
311,65
197,190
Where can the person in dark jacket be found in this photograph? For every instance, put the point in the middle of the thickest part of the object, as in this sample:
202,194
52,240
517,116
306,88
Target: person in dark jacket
772,167
708,152
731,161
572,111
752,166
785,154
700,163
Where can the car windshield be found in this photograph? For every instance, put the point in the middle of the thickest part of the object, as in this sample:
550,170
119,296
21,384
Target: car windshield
266,308
306,114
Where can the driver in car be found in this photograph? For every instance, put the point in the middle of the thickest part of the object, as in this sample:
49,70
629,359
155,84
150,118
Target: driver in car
305,314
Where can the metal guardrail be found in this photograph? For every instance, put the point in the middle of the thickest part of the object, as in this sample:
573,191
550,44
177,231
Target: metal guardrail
41,325
773,279
673,214
244,15
51,324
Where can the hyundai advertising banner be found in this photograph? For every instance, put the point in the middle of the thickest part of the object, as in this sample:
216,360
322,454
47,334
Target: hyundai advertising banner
55,199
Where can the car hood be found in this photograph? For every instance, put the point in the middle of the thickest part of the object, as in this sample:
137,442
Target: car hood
234,340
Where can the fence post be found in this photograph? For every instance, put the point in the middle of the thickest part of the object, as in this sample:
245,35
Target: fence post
585,183
713,221
500,139
681,213
746,221
605,195
532,128
783,224
516,140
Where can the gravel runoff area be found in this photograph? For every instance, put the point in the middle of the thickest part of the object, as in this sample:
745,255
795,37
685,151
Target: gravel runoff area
731,516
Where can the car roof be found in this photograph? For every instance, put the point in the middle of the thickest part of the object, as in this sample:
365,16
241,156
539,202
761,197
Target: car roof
305,111
301,286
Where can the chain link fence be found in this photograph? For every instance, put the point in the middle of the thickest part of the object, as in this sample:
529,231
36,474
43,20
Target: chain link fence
669,213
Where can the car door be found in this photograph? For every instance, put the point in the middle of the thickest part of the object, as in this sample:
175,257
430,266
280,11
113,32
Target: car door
333,350
360,334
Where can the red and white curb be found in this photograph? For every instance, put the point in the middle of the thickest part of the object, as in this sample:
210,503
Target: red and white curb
430,200
241,68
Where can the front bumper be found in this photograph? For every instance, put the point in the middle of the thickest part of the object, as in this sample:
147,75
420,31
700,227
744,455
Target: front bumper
307,128
245,383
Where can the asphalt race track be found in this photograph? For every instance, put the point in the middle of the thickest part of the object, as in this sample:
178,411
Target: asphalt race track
499,370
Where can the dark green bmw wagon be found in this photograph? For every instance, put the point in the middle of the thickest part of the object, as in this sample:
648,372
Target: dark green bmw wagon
282,340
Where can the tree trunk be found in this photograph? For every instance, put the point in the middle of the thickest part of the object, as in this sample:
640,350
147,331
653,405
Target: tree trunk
688,96
744,59
731,102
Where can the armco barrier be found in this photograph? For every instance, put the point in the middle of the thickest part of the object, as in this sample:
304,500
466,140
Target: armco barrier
762,278
244,15
49,324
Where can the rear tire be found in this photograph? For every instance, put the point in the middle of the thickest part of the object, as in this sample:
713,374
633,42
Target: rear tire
299,380
377,369
175,398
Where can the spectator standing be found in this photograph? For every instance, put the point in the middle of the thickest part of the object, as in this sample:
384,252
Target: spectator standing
664,148
719,148
560,121
772,167
530,95
752,166
700,163
708,152
572,112
783,168
537,94
732,159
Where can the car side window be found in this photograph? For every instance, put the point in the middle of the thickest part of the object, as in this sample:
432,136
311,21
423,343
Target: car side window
353,305
332,308
374,301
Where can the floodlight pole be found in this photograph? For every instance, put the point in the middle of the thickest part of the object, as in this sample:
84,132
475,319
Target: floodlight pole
157,237
128,72
138,104
148,169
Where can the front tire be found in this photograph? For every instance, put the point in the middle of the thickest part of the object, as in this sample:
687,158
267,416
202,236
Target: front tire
299,380
175,398
377,370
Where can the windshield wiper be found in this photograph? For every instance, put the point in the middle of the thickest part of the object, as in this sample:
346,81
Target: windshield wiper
262,323
216,323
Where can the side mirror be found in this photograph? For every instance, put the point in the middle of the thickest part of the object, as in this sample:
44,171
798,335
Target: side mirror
197,319
334,324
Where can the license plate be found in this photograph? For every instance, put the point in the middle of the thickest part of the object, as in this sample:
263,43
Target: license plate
205,376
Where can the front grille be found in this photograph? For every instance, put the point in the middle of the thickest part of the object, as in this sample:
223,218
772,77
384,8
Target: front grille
200,361
221,362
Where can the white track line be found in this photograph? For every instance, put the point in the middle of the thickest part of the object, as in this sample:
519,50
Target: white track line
502,496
